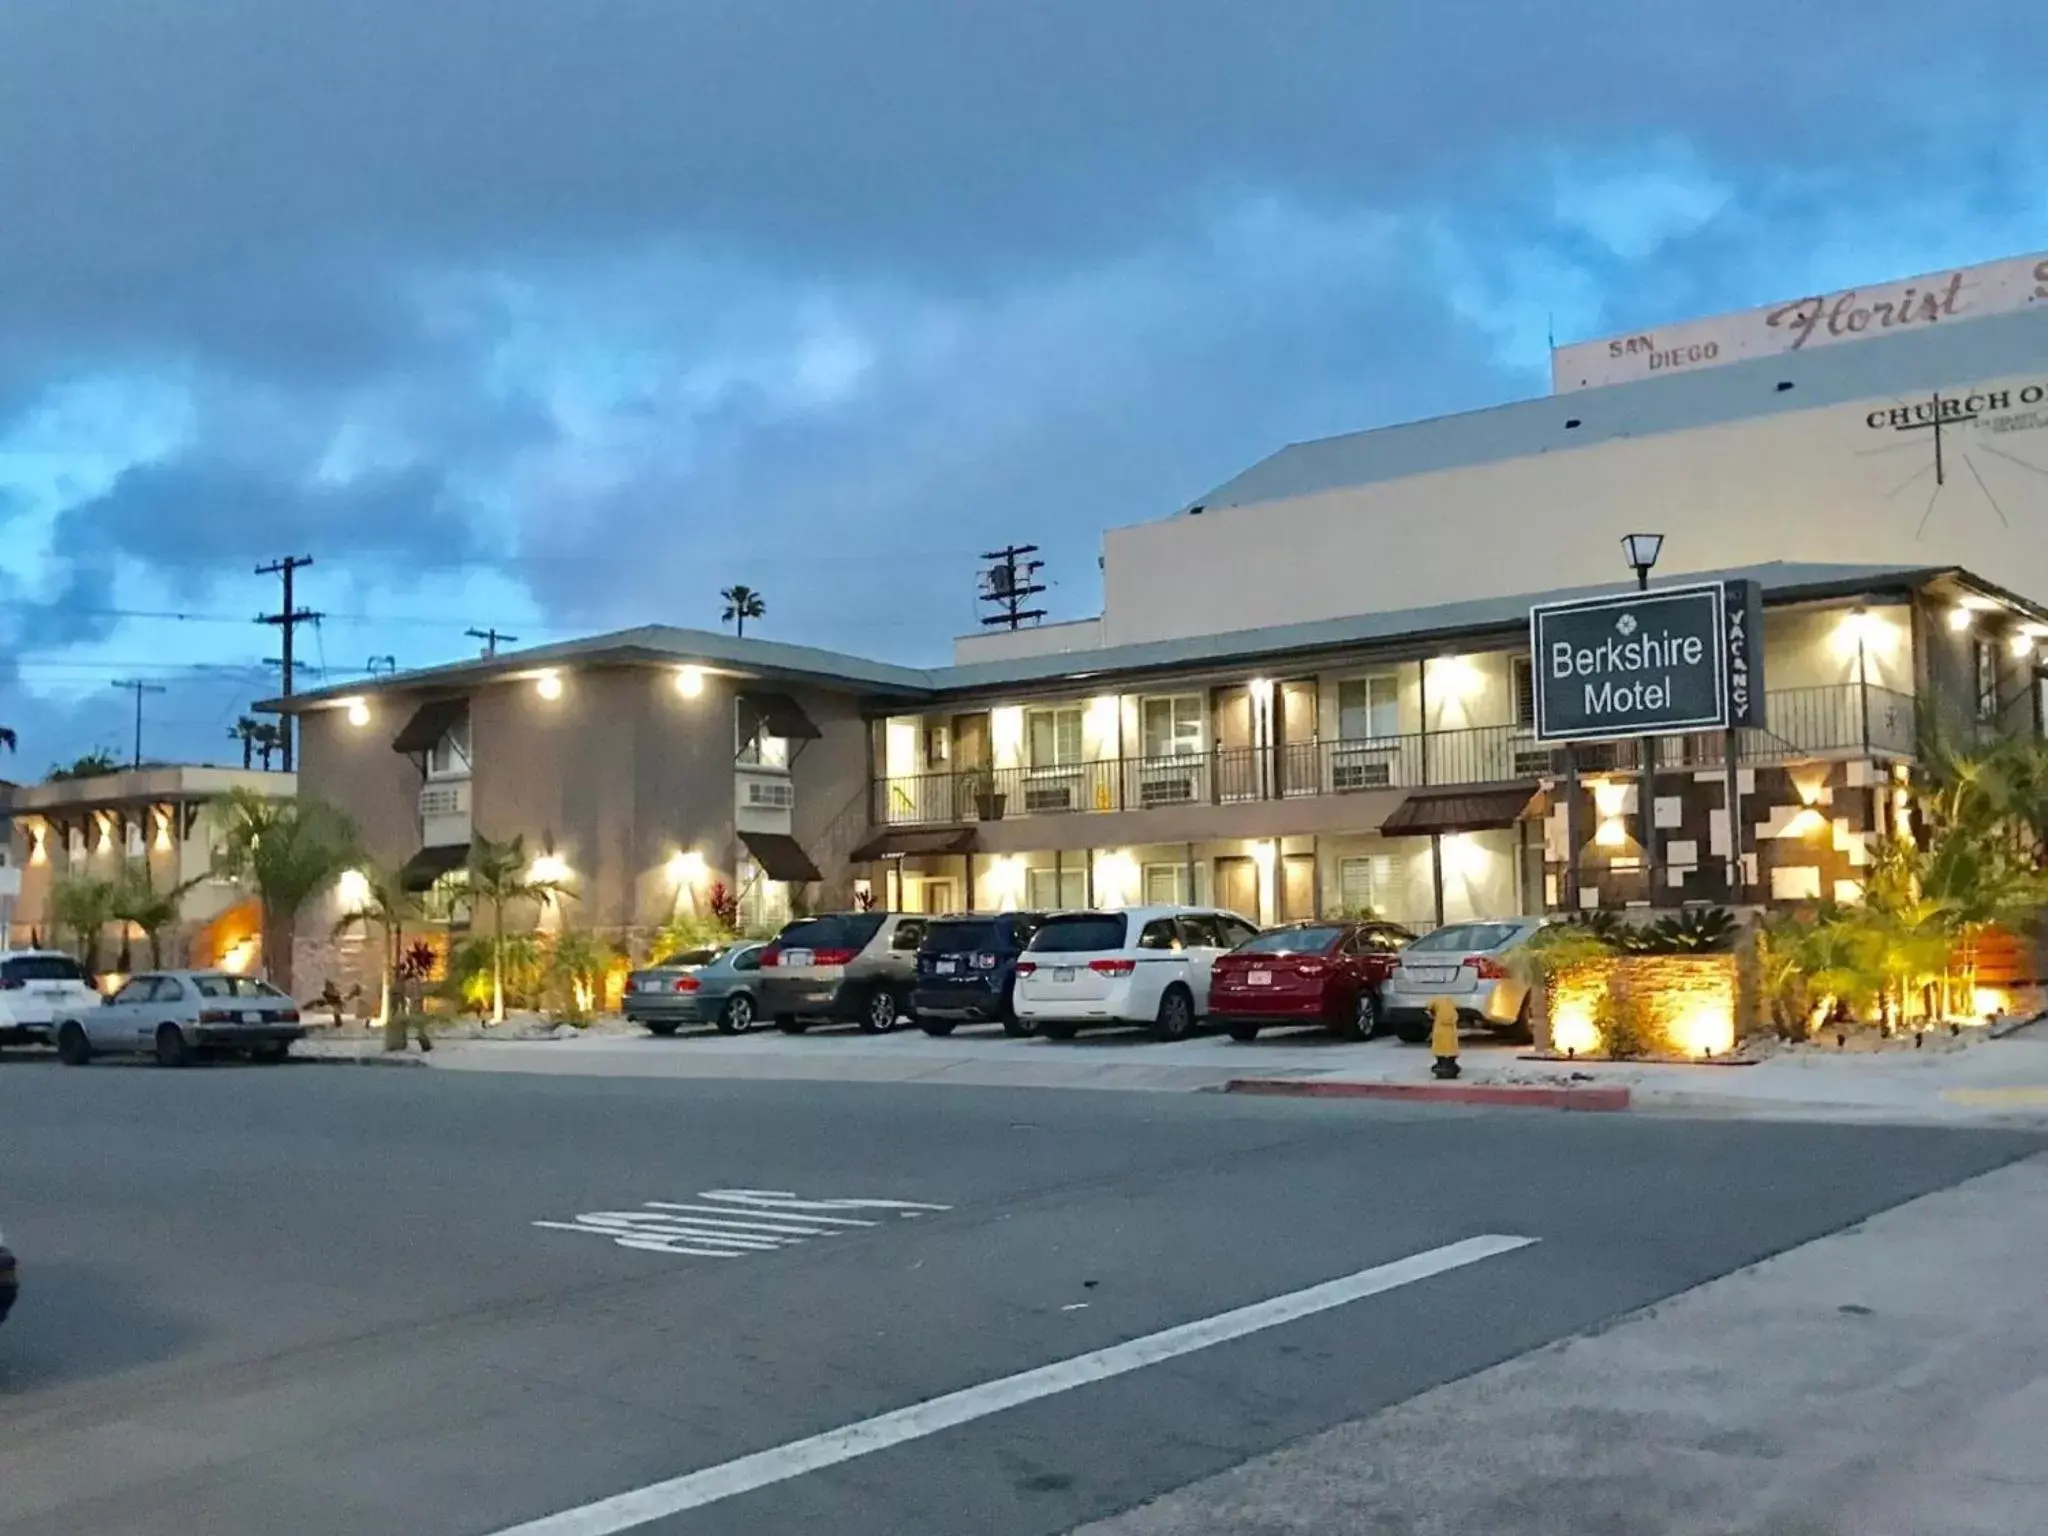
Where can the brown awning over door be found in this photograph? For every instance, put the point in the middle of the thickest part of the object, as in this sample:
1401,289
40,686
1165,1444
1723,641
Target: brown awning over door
429,723
774,714
1448,811
901,840
430,864
781,857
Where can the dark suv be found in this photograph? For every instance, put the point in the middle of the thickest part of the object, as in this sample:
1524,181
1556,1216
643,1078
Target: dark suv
966,968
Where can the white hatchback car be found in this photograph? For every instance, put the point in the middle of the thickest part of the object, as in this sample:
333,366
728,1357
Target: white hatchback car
36,986
1144,965
178,1015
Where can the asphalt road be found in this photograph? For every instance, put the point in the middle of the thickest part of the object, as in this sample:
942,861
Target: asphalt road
316,1299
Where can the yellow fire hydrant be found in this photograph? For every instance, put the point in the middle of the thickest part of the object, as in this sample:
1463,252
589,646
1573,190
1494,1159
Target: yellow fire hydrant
1443,1036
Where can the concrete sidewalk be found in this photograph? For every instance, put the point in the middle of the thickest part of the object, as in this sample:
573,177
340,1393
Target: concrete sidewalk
1893,1378
1975,1082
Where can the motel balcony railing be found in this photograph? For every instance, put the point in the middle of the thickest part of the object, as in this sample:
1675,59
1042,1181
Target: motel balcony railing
1822,722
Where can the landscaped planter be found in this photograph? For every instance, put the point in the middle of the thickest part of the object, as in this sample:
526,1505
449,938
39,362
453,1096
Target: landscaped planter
1687,1004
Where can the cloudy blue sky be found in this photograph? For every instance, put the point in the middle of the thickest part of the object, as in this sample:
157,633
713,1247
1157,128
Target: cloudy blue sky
563,314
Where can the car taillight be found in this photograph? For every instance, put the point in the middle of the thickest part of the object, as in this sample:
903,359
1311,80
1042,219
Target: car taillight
687,984
1311,968
215,1016
1112,967
1486,968
771,957
833,956
986,962
1027,967
289,1016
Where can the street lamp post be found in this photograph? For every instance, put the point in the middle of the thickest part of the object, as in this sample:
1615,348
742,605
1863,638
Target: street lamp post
1641,550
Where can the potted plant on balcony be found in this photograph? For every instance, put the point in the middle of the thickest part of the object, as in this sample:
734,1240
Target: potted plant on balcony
980,789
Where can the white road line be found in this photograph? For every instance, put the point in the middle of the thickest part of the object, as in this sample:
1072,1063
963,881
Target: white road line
649,1244
789,1200
694,1490
767,1221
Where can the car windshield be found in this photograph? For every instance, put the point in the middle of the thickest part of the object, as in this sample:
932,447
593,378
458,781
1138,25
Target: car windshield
683,957
851,930
1466,938
24,968
1077,932
234,986
1293,941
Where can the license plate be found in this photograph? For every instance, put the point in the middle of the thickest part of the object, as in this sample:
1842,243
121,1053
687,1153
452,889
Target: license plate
1258,978
252,1018
1432,975
796,957
946,967
650,984
1063,973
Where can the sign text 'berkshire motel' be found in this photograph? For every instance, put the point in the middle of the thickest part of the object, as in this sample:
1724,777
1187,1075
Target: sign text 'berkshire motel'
1664,662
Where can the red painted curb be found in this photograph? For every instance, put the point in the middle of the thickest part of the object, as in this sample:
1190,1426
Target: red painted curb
1612,1097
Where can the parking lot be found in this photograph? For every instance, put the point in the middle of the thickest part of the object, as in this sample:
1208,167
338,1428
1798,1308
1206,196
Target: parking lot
339,1301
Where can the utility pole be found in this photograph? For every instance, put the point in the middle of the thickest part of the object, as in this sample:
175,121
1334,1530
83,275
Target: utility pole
492,639
137,687
1008,582
287,619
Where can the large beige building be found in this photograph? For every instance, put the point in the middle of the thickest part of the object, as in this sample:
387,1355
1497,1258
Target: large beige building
1311,692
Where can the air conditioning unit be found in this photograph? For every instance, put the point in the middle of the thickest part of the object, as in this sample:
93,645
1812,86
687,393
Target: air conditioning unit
1041,798
1166,789
444,800
1361,773
770,795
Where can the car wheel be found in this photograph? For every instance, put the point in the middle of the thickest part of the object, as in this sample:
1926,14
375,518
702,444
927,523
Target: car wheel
1517,1033
1364,1022
271,1055
1058,1029
1415,1032
1176,1020
73,1049
737,1016
660,1026
172,1048
1014,1027
1244,1033
878,1012
790,1024
938,1029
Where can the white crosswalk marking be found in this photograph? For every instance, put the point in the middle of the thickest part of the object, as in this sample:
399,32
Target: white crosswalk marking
732,1223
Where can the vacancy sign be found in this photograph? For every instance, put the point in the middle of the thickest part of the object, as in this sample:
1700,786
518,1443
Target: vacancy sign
1668,661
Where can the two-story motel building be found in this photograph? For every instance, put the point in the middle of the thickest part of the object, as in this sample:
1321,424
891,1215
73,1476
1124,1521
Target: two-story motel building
1310,692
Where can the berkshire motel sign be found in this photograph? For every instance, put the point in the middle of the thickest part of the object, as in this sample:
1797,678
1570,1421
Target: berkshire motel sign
1665,662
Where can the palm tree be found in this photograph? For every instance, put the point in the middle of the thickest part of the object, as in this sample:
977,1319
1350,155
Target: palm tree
248,732
135,899
82,906
7,738
389,906
285,852
499,875
741,604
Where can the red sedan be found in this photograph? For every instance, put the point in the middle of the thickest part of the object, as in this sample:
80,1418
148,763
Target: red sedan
1328,973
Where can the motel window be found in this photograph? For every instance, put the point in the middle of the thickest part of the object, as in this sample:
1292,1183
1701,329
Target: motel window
1522,673
1369,708
1173,727
450,756
1054,737
1166,885
1364,884
1055,890
1987,679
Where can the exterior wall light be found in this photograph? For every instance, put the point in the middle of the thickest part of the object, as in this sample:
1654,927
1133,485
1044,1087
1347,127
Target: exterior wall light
549,686
1959,619
359,712
2021,643
690,682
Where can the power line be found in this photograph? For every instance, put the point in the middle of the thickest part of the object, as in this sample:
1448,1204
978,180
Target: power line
491,639
1009,582
137,687
287,620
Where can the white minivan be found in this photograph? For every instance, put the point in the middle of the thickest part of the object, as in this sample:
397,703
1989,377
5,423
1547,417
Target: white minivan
1143,965
35,986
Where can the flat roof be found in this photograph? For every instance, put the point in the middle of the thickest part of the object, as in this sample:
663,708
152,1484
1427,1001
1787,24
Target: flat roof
1909,362
1782,582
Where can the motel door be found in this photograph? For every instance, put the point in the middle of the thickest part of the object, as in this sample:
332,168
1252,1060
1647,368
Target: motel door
1297,887
1237,886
